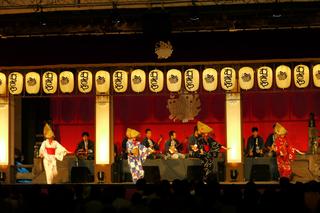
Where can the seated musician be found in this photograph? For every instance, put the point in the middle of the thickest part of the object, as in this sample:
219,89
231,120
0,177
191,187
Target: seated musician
269,147
269,142
149,143
173,147
85,149
124,153
194,150
255,144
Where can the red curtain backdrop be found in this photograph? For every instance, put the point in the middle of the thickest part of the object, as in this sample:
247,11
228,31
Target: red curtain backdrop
141,112
291,109
72,116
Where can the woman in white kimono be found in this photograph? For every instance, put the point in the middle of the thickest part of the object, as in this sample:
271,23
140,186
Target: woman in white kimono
51,150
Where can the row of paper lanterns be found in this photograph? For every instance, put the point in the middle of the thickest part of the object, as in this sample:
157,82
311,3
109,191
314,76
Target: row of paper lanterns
138,80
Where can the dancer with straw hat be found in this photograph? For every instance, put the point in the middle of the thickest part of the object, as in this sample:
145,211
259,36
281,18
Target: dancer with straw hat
285,151
209,148
137,154
51,150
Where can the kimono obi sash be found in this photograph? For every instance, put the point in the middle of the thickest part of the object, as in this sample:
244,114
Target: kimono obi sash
51,151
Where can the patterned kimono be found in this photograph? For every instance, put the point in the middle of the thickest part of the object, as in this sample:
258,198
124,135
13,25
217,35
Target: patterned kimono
50,153
135,162
211,149
285,155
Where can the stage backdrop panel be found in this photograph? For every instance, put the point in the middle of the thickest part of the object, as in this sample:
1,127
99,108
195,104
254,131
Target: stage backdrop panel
72,116
291,109
141,112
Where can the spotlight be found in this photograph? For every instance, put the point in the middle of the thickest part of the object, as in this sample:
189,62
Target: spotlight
101,176
2,177
195,17
116,20
234,175
43,23
194,12
42,18
277,10
115,16
276,15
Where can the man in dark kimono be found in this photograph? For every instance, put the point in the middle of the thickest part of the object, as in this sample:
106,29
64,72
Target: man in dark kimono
194,148
209,149
149,142
124,152
255,144
85,148
173,147
270,142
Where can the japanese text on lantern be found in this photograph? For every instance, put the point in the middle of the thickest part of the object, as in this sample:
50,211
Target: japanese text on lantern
300,75
13,82
228,78
48,76
263,77
84,80
118,80
189,79
154,84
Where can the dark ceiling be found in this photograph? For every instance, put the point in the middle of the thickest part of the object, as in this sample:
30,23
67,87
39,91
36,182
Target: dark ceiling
250,17
222,32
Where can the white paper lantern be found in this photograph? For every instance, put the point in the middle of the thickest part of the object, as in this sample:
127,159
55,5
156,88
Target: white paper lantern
316,75
49,82
265,77
85,81
301,75
246,78
283,76
138,80
120,81
66,82
156,80
102,80
191,80
32,81
228,78
174,80
15,83
210,79
3,84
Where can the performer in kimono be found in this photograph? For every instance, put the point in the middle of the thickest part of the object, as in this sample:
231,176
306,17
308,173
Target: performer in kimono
150,143
255,144
173,147
194,149
209,149
85,149
272,154
269,142
51,150
137,154
284,150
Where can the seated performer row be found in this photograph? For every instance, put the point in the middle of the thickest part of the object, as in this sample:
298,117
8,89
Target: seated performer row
172,147
203,147
256,146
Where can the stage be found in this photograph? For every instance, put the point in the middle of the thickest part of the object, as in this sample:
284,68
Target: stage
305,168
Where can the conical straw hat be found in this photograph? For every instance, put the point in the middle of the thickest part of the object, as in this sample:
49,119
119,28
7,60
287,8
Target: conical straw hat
132,133
203,128
47,131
